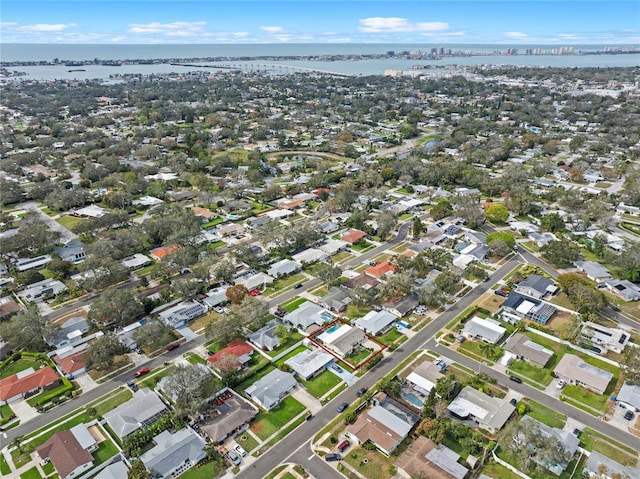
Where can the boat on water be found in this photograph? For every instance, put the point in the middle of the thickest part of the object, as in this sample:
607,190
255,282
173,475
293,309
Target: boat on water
77,70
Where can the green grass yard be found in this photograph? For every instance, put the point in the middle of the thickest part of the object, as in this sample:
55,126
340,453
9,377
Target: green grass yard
268,423
69,222
293,304
4,466
321,384
545,415
594,441
292,338
390,336
290,354
537,374
19,365
247,441
595,401
32,473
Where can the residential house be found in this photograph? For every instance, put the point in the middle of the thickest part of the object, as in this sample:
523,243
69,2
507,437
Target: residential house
72,251
604,338
136,261
91,211
594,271
231,417
8,306
216,296
115,470
306,315
569,442
624,289
520,346
353,236
18,385
491,413
536,286
447,460
70,361
268,391
309,256
419,457
70,332
25,264
256,221
255,280
203,213
342,339
424,377
327,227
376,322
279,214
337,299
308,364
159,254
266,338
283,268
629,396
518,306
173,454
542,239
142,410
237,349
361,281
38,292
230,229
385,424
332,246
179,315
400,306
599,466
573,370
488,330
66,453
381,270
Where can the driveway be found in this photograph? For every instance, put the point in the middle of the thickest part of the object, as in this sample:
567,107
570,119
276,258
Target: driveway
346,376
65,234
307,400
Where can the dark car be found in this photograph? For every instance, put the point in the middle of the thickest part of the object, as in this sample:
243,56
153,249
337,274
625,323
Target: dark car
332,457
343,445
502,292
628,415
308,417
298,285
577,432
516,379
172,346
342,407
361,391
132,385
513,401
486,279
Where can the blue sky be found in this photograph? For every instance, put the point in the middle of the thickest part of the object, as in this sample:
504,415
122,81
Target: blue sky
321,21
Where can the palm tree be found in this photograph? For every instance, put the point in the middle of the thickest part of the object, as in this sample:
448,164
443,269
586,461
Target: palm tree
17,443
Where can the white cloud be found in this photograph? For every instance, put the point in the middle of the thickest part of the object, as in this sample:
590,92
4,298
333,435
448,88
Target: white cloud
118,39
179,29
397,24
515,34
46,27
272,29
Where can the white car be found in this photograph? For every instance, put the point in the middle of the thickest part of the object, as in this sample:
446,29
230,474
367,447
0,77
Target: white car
560,384
240,450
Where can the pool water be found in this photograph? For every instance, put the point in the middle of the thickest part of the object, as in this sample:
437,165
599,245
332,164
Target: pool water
333,328
412,398
327,319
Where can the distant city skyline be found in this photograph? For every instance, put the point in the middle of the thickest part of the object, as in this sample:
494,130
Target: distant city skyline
512,22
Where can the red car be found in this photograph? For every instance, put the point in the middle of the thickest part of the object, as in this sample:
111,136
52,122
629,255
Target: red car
255,292
172,346
141,372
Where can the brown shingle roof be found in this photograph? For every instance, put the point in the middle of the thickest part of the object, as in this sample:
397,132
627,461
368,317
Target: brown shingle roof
72,363
13,385
65,453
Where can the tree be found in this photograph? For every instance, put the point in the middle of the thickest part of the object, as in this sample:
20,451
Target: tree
327,273
189,385
27,330
446,281
442,209
561,254
223,329
236,293
552,222
138,470
582,293
224,270
497,214
119,306
631,365
468,208
417,227
500,243
251,312
282,333
17,443
387,220
153,334
101,353
345,195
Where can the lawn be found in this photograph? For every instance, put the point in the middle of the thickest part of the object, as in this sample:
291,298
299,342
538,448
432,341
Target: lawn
19,365
293,305
545,415
342,257
284,283
473,349
377,466
390,337
321,384
539,375
212,223
207,470
595,401
48,469
120,397
216,244
290,354
247,441
4,466
593,441
292,338
195,358
498,471
31,474
106,450
69,221
359,356
354,311
362,246
268,423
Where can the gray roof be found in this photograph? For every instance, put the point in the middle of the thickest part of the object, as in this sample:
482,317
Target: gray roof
574,368
490,412
375,321
307,363
282,267
624,288
117,470
130,416
521,345
537,283
173,450
76,323
308,313
265,337
630,393
337,298
270,389
570,443
593,269
487,329
612,467
447,460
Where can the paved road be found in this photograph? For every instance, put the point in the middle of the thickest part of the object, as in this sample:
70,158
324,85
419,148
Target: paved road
296,446
539,396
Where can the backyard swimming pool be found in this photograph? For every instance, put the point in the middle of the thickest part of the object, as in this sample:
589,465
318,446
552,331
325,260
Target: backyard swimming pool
411,398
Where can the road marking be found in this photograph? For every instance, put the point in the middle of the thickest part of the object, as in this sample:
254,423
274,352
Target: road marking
311,457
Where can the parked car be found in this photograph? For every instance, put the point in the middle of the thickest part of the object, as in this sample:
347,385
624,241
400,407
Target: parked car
577,432
513,401
560,384
132,386
240,450
337,368
172,346
255,292
628,415
361,391
486,279
516,379
298,285
308,417
502,292
343,445
218,309
332,457
233,457
342,407
141,372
